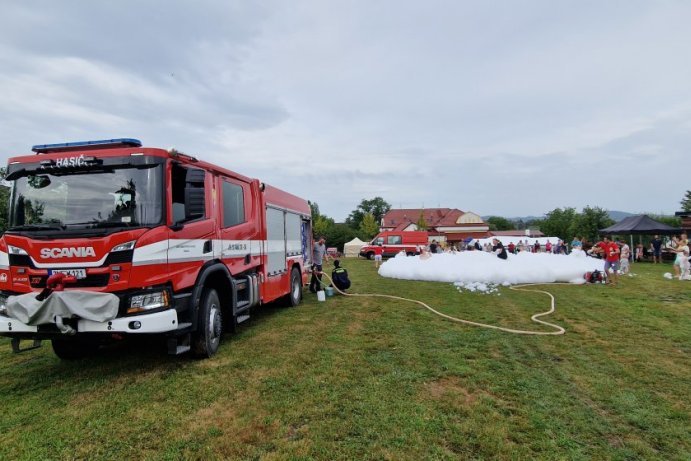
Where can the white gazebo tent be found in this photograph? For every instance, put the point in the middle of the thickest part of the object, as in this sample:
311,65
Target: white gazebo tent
352,248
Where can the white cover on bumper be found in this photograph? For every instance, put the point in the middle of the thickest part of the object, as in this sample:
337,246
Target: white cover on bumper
88,305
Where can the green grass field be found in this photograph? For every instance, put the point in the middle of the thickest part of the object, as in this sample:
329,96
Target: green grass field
364,378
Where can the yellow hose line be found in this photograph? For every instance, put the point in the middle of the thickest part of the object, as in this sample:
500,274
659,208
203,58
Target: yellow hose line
535,318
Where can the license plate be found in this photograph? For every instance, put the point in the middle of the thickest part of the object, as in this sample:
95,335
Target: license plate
76,273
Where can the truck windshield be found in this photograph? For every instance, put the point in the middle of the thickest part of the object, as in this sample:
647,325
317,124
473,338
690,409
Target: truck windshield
111,198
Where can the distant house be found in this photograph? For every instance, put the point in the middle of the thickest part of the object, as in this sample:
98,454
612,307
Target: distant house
443,224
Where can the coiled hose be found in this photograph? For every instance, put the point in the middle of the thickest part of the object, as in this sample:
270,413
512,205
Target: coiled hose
535,318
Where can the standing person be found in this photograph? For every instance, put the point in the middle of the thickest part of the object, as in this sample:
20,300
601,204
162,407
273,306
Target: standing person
678,244
657,249
624,255
498,249
610,252
433,247
512,248
576,244
548,247
378,253
318,255
684,265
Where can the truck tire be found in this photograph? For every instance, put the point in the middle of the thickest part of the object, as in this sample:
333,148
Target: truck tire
210,325
72,349
295,295
370,256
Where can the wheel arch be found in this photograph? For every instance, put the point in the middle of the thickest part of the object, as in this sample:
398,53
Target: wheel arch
216,275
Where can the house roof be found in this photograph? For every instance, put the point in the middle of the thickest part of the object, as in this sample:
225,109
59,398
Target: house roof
434,217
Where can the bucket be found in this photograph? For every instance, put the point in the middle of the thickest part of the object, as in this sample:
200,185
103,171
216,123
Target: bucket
329,291
321,296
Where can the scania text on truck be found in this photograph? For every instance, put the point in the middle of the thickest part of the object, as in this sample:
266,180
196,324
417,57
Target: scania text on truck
116,239
393,242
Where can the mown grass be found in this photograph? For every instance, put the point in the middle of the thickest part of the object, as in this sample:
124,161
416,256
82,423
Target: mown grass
367,378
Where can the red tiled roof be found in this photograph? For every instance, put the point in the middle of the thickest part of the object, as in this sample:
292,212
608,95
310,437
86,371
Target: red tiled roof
433,216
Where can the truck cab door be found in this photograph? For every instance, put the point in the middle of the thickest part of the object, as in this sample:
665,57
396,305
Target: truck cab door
191,225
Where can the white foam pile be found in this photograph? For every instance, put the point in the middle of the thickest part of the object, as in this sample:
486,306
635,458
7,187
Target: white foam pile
482,271
488,288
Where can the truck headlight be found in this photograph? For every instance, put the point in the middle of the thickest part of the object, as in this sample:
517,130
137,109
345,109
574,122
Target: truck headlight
13,250
149,301
124,246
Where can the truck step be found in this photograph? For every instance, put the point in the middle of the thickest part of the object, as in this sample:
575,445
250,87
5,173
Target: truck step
179,350
184,325
17,349
242,318
179,344
242,306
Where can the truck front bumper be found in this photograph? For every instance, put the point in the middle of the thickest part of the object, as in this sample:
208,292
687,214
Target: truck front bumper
158,322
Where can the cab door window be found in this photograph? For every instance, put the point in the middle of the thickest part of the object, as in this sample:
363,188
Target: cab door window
233,204
188,194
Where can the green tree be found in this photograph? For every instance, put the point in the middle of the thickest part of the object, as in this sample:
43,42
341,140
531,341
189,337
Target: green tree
559,223
589,222
497,223
377,206
338,234
369,226
320,224
421,223
686,201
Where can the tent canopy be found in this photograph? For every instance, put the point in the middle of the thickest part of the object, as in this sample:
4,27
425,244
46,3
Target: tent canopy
352,248
641,224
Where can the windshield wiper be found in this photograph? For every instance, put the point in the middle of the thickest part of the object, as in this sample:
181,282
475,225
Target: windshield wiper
32,227
101,224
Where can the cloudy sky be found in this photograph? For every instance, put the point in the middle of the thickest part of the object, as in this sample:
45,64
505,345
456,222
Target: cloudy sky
506,108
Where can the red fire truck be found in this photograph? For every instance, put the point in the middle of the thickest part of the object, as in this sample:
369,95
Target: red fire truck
116,239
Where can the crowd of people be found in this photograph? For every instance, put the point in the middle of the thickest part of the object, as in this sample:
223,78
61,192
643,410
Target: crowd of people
618,255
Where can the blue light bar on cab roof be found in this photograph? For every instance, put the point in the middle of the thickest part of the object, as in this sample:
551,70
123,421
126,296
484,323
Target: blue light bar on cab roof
81,145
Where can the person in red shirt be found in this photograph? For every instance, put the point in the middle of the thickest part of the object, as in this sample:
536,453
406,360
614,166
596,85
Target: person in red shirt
610,251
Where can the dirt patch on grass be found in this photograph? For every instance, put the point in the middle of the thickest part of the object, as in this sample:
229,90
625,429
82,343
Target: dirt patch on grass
358,322
450,388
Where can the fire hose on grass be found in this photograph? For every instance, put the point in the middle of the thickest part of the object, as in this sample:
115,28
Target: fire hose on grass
535,318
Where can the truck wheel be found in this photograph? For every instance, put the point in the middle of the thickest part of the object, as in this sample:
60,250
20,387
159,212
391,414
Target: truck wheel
295,295
370,256
72,349
210,325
